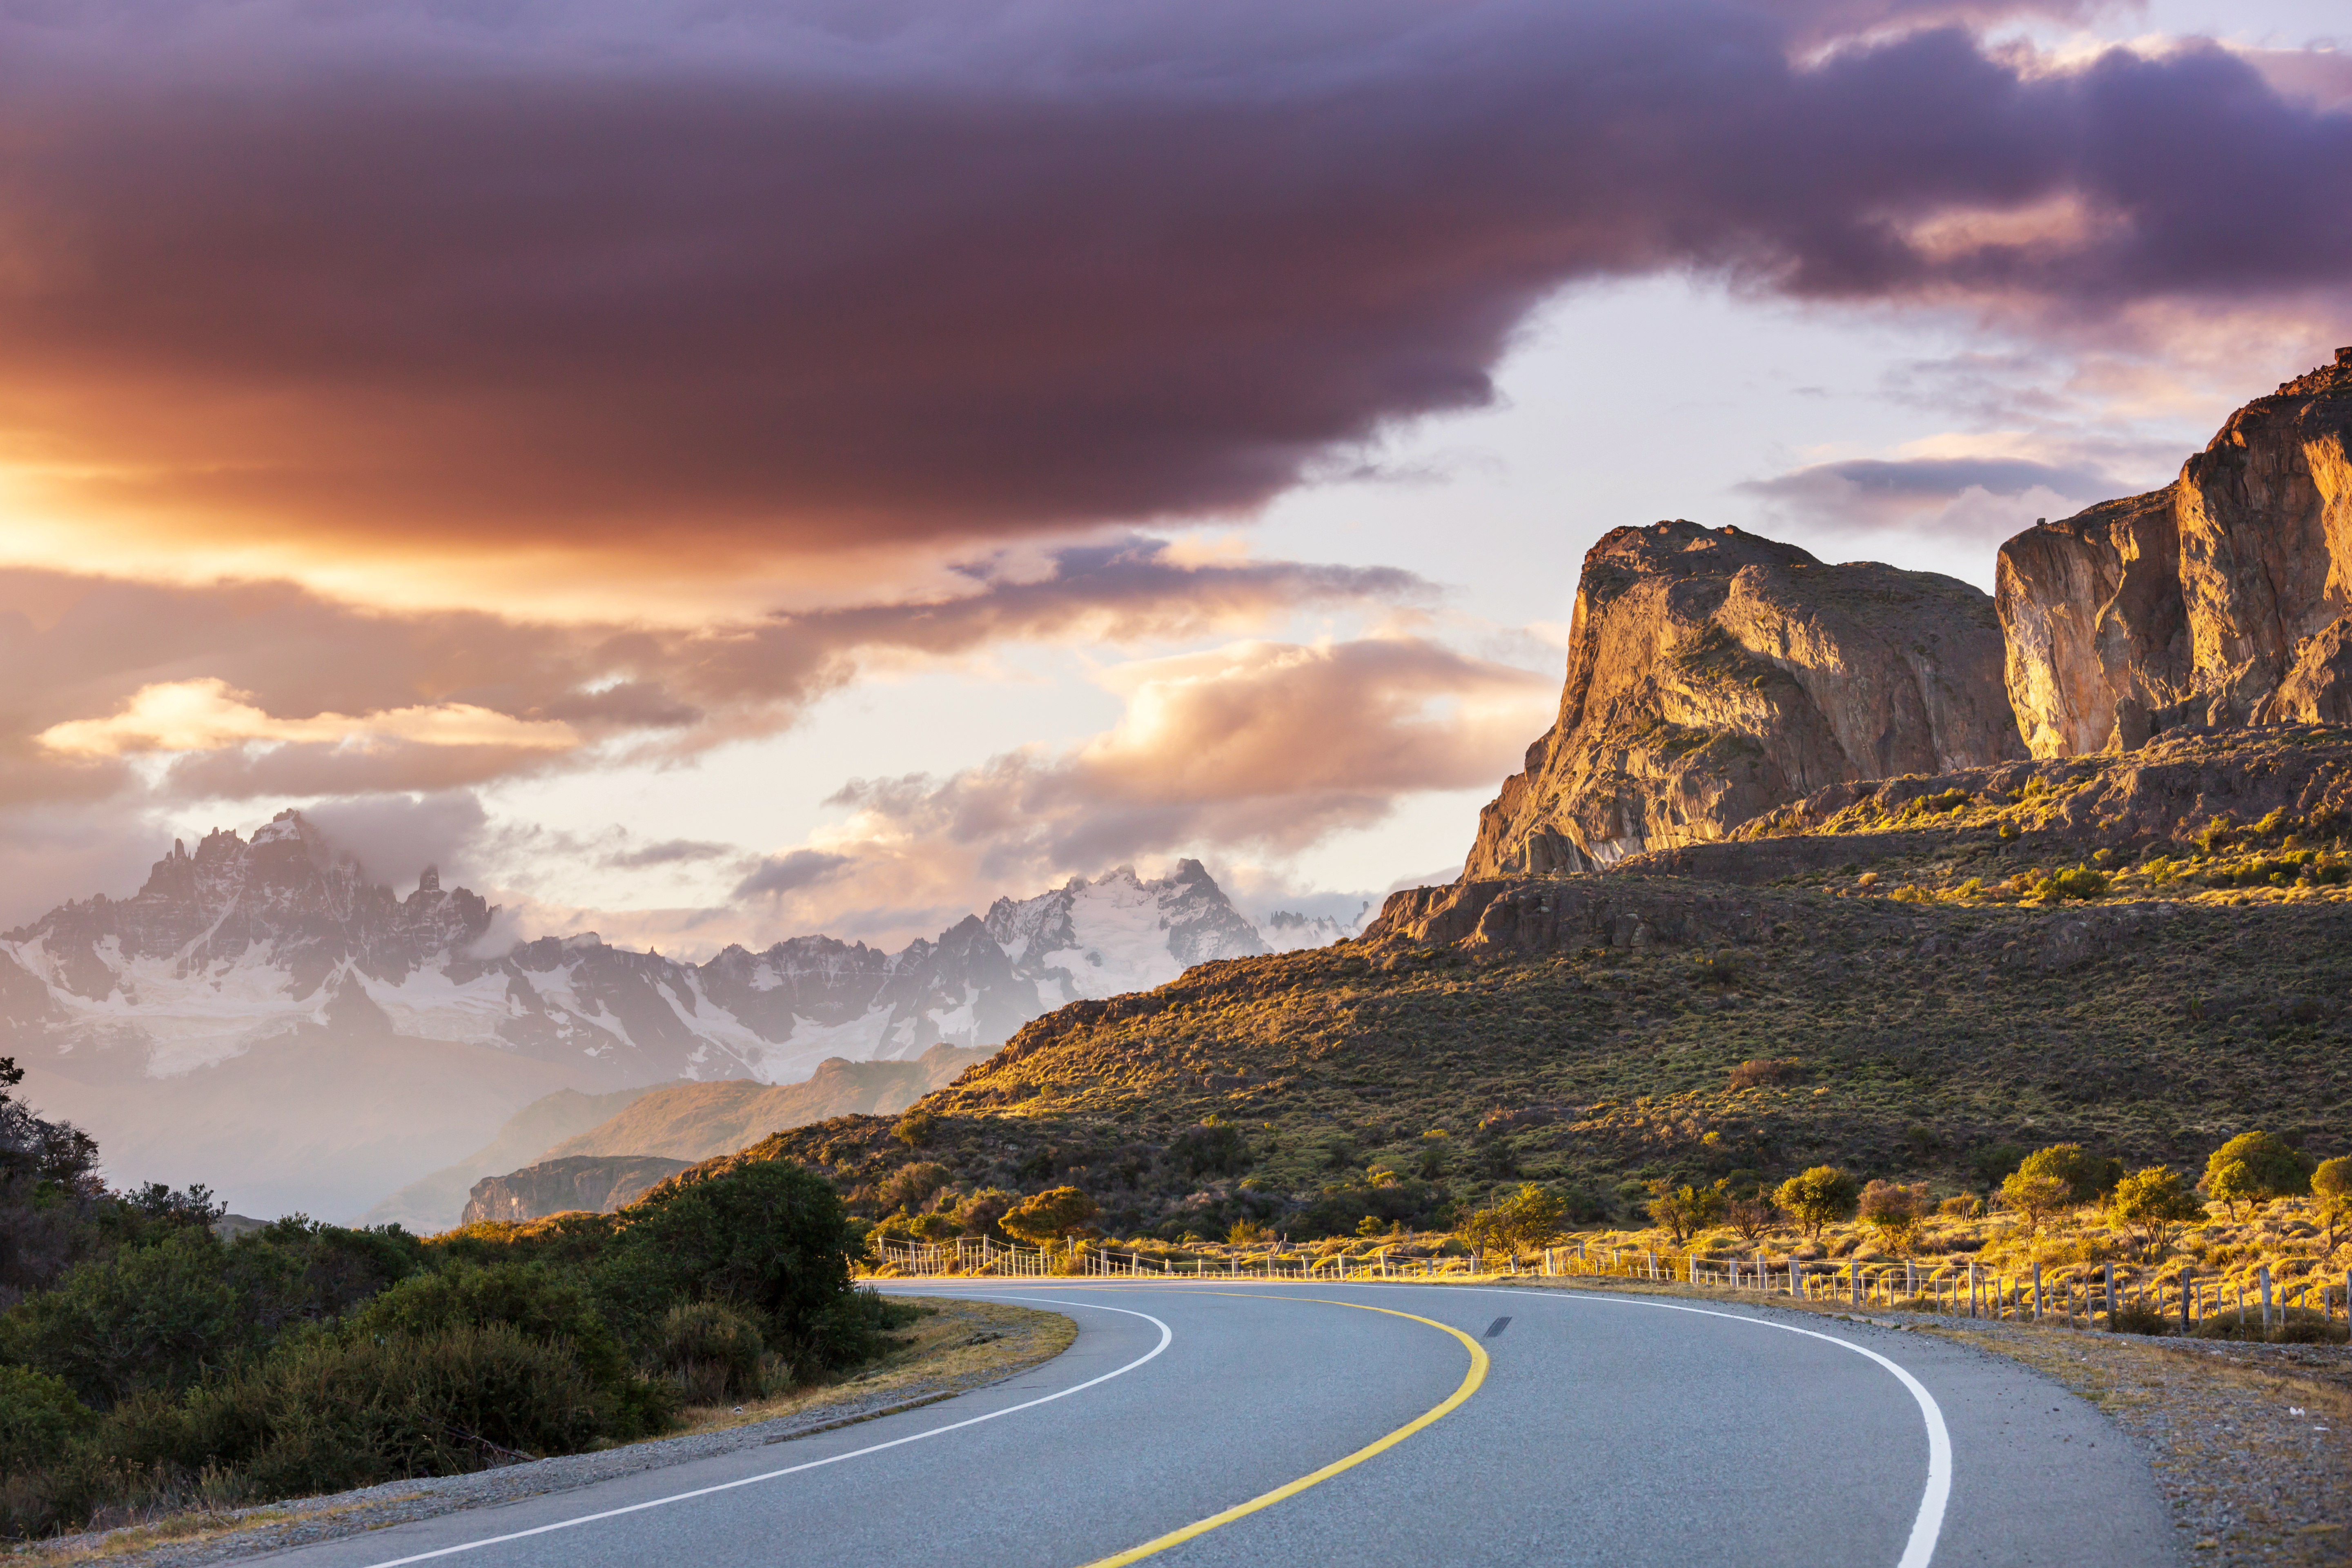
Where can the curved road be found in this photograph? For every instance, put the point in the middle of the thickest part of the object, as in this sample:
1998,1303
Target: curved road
1588,1428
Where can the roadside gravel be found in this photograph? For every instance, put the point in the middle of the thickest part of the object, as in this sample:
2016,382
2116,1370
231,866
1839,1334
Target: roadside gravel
968,1345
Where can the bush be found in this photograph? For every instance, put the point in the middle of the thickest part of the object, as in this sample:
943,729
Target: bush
915,1129
38,1417
1684,1210
1819,1197
2331,1194
2153,1203
548,1305
147,1317
768,1237
2038,1197
910,1185
710,1352
1761,1070
2254,1167
2087,1177
982,1213
1214,1148
1055,1214
326,1414
1893,1211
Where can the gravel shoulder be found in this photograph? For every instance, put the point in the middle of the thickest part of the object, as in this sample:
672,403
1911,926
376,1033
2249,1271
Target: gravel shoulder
963,1346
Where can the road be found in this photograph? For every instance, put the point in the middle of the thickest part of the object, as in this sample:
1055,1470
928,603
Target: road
1587,1428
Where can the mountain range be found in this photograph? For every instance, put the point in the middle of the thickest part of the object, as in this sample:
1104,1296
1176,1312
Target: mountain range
264,1016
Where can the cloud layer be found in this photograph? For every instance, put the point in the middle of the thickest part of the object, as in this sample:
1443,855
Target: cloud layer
664,282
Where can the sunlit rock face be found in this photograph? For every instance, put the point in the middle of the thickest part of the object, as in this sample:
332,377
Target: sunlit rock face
1714,675
2218,600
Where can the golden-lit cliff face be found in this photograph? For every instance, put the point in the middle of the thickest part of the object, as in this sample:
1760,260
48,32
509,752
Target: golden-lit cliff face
1714,675
2217,600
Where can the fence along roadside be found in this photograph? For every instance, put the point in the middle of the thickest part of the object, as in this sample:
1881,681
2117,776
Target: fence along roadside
1959,1290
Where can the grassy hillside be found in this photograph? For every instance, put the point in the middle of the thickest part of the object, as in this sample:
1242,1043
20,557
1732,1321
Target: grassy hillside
1913,992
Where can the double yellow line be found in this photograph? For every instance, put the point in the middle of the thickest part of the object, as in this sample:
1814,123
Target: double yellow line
1452,1402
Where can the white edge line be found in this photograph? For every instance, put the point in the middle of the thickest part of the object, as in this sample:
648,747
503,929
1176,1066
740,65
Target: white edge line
1167,1335
1929,1521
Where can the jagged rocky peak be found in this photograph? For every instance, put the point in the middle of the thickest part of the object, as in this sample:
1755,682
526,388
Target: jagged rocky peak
289,888
1714,674
2218,600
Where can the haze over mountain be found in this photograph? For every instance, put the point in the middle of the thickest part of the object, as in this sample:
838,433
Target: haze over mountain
264,1017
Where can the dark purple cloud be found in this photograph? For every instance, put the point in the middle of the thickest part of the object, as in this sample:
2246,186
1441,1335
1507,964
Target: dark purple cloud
789,872
645,280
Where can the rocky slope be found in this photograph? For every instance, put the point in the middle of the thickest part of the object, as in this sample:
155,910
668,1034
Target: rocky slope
433,1202
599,1183
220,981
1713,675
697,1120
1896,984
2218,600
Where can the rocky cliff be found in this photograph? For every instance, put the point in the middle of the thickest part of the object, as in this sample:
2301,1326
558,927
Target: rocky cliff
1713,675
599,1183
2218,600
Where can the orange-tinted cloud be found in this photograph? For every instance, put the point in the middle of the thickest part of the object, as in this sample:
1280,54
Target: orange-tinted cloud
1257,748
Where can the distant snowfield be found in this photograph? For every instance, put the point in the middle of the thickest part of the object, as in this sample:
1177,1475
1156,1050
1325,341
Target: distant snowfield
618,1016
262,1018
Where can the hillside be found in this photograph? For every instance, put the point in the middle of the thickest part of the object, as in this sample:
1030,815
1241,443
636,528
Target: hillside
697,1120
593,1184
1910,990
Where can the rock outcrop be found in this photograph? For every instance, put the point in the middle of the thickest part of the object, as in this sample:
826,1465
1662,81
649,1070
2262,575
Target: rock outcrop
2218,600
1713,675
598,1183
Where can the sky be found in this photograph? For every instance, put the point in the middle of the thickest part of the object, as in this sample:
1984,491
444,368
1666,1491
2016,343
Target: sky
709,474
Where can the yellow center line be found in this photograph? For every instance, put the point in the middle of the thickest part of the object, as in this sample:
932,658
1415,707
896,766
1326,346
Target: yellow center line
1452,1402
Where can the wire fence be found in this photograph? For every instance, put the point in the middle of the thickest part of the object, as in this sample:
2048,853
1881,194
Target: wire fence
1961,1290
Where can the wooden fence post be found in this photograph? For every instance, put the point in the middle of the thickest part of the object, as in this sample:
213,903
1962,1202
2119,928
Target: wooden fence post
2037,1292
2264,1274
2108,1296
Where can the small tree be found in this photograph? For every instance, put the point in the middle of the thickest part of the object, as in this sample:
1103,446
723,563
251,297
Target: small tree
1819,1197
1686,1210
1894,1212
1750,1216
2038,1197
1055,1214
2087,1176
1535,1216
2273,1169
2152,1204
2331,1192
914,1128
2231,1185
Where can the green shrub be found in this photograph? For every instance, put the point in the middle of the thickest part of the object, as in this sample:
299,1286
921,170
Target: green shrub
710,1352
2267,1168
325,1415
1819,1197
768,1237
147,1317
2088,1177
546,1304
38,1418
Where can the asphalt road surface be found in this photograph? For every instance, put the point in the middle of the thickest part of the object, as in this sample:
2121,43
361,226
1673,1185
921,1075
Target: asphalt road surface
1453,1425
